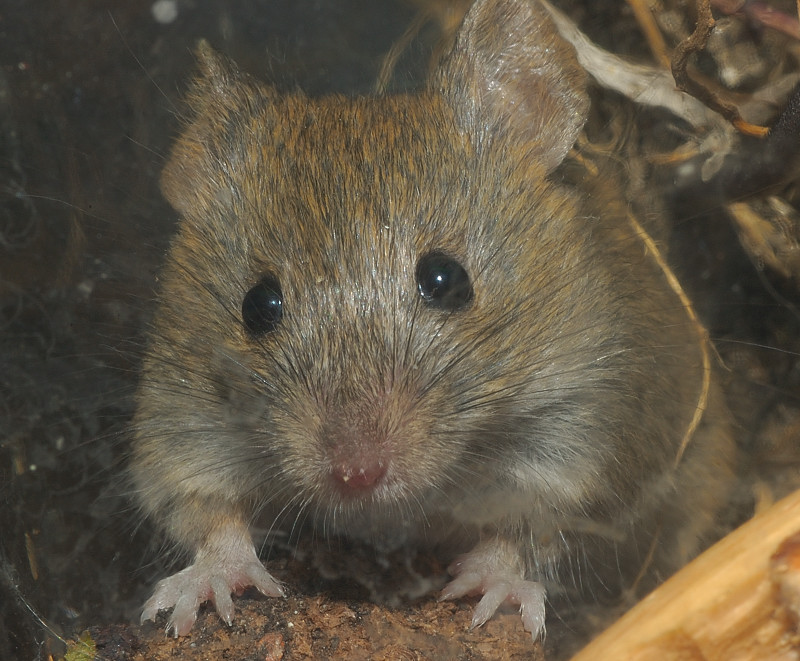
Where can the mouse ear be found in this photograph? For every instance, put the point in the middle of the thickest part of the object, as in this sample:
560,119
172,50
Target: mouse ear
510,73
215,102
217,72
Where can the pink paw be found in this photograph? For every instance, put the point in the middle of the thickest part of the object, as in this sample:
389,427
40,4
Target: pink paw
213,578
493,570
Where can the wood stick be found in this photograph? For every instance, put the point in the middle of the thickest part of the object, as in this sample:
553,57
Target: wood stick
724,605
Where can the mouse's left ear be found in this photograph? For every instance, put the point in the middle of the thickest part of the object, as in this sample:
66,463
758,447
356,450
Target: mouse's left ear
511,77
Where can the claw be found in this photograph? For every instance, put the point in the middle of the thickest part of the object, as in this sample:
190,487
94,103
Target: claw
217,571
492,569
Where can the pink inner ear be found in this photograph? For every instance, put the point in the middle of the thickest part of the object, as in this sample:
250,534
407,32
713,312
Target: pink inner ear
511,67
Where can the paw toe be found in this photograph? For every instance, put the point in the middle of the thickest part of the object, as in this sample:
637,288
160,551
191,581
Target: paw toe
459,586
262,580
531,598
495,595
184,615
221,596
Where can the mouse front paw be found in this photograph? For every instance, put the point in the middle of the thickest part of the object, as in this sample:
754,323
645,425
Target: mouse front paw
212,577
493,569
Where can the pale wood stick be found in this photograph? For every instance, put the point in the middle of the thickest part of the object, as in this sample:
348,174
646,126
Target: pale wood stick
722,606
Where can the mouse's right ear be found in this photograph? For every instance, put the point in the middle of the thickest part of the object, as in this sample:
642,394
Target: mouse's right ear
217,100
512,79
217,73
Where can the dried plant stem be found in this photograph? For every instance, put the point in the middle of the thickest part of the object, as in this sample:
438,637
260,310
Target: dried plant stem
672,280
648,25
644,85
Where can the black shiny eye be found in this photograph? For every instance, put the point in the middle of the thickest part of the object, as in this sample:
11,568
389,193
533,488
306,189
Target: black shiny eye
262,307
443,282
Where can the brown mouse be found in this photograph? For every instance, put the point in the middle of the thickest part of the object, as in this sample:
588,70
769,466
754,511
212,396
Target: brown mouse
397,315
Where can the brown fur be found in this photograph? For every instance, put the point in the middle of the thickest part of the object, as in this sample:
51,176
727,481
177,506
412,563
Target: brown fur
548,413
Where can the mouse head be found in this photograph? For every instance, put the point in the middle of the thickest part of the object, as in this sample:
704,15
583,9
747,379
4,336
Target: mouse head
362,289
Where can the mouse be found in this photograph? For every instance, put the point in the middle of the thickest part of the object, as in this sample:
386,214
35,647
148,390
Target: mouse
404,316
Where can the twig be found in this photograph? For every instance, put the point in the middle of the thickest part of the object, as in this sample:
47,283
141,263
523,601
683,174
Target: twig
398,47
694,43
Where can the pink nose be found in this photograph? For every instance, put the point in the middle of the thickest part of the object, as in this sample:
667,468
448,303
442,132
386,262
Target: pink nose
358,476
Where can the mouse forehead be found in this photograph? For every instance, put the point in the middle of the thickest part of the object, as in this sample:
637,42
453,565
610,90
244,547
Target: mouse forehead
336,178
349,194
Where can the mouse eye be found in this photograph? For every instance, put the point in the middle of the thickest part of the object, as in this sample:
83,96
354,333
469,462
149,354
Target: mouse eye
262,307
443,282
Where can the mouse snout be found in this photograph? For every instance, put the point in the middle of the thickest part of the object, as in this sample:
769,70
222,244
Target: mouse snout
356,451
358,474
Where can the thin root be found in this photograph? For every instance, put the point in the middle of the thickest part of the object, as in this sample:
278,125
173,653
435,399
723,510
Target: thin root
702,400
649,27
694,43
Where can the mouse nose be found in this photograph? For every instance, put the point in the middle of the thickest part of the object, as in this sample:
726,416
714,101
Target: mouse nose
358,475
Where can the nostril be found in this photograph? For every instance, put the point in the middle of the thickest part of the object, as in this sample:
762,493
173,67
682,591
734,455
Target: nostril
358,475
